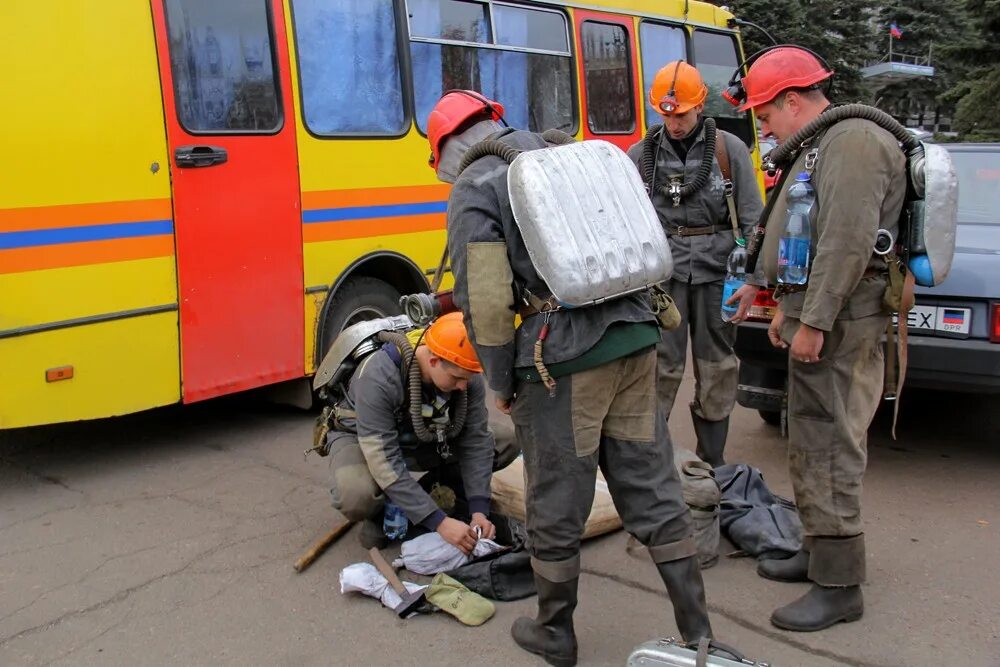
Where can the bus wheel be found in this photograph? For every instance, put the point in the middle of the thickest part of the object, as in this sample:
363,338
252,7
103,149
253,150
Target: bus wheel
358,299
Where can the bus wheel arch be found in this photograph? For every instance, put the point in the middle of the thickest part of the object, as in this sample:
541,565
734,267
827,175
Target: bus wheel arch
368,289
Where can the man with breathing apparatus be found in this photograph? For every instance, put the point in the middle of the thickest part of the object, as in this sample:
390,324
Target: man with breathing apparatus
704,188
416,402
578,382
833,324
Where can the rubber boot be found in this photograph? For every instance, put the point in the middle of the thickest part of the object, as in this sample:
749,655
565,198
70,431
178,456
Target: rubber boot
687,593
790,570
711,439
550,635
820,608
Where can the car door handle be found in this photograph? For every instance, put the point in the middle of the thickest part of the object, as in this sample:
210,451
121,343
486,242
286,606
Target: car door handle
200,156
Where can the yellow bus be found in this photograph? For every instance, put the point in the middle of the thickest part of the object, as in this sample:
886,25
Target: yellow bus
195,197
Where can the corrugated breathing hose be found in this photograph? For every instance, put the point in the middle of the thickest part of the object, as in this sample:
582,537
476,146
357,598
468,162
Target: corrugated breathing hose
414,387
650,147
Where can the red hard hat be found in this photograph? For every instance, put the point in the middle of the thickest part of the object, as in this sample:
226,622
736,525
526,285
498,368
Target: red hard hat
778,70
451,111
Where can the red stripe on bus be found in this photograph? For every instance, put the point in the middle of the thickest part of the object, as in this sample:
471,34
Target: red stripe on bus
20,260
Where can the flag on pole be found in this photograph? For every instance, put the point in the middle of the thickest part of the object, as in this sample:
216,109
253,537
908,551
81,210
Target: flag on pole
895,31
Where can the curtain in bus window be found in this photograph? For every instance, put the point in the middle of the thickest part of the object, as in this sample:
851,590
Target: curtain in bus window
535,89
349,68
222,65
506,72
607,80
660,44
458,20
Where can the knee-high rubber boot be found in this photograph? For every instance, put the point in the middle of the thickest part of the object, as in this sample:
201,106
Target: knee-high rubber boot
687,594
711,439
550,635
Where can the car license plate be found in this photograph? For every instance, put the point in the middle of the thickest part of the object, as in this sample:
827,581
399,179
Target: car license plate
940,318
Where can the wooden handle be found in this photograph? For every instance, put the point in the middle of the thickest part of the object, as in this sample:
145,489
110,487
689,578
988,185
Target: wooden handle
321,545
383,566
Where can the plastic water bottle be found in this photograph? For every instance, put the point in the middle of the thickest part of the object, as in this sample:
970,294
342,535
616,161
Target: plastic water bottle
793,247
736,277
394,522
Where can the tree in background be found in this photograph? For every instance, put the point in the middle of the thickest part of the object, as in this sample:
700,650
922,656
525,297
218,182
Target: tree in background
842,31
929,27
977,95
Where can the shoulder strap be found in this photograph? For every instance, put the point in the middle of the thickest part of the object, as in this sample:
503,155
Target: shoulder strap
722,155
393,353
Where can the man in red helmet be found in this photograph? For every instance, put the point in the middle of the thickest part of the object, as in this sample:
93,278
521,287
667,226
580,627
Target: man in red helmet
832,328
704,224
601,410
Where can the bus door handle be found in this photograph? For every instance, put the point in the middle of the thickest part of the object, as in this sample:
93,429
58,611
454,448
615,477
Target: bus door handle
200,156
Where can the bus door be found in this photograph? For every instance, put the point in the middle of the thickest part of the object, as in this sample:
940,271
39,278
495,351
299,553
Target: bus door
227,97
610,76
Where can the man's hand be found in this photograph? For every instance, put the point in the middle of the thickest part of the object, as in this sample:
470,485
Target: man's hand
807,344
504,404
487,530
773,331
744,296
459,534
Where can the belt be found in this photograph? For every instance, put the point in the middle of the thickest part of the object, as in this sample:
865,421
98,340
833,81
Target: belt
783,289
700,230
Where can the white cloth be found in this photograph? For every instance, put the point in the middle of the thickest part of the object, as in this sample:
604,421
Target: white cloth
365,578
430,554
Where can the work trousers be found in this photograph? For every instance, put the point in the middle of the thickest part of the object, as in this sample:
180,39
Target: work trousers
831,404
715,366
608,417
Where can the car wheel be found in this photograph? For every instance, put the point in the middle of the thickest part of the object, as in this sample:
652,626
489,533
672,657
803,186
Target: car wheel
772,417
358,299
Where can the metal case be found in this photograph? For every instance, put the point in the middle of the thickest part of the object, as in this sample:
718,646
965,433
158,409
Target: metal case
673,653
587,222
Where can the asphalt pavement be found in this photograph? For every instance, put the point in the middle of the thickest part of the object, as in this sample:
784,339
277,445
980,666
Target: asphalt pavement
167,538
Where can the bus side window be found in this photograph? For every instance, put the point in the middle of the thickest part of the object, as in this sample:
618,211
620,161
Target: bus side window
221,55
715,56
607,78
660,44
349,67
515,55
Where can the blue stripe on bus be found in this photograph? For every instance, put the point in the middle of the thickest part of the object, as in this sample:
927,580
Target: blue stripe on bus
120,230
366,212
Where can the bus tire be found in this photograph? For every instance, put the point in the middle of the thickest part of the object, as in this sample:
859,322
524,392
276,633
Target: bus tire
357,299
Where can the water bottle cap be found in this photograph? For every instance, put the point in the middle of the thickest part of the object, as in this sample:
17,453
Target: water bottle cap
803,176
741,242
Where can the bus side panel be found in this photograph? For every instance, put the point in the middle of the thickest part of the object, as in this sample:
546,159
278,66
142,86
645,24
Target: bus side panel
96,390
87,271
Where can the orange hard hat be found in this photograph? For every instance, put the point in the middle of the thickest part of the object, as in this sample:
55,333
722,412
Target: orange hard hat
447,338
451,112
677,88
780,69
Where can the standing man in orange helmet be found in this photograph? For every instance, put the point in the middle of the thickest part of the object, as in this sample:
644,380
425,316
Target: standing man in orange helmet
597,407
705,191
833,324
373,446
